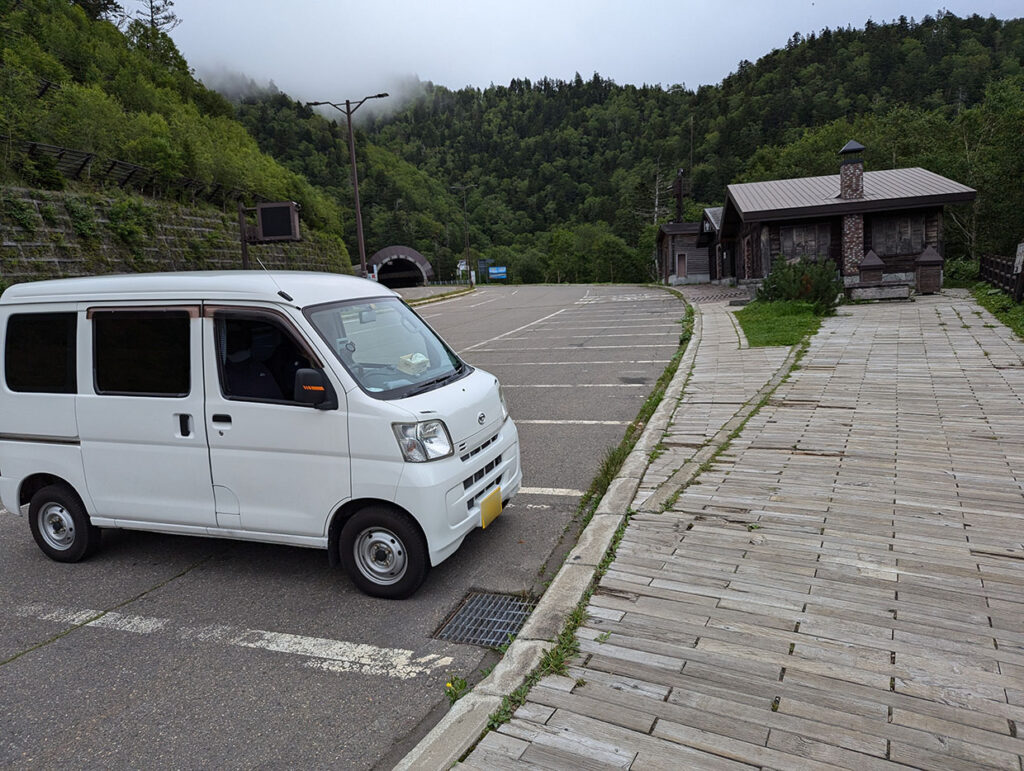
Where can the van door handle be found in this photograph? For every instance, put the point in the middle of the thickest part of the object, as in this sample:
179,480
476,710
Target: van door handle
220,418
185,425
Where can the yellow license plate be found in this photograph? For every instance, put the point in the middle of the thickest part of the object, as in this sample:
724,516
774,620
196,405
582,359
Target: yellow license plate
490,507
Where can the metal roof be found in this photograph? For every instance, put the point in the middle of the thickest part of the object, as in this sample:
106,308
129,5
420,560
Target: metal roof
819,196
714,215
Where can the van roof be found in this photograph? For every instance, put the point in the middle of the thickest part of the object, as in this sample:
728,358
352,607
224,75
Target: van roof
305,288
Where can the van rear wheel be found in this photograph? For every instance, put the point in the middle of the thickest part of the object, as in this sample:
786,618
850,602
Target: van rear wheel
60,526
384,552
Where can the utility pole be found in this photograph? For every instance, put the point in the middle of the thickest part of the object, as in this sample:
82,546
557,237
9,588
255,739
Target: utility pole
465,223
349,108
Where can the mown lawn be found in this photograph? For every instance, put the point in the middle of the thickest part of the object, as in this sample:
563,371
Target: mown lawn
777,323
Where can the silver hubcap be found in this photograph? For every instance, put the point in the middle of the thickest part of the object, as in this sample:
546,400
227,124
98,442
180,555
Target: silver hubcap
380,555
56,526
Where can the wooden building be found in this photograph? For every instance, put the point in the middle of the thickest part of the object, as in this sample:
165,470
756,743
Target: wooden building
687,251
897,214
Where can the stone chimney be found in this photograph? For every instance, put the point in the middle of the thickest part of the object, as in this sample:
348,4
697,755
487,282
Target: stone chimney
851,171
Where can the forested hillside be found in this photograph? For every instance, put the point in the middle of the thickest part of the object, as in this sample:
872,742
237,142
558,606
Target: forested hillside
550,167
71,78
559,180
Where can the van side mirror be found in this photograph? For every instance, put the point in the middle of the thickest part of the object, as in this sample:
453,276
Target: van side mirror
313,387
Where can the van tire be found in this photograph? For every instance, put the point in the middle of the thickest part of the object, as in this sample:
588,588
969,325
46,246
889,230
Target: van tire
383,552
60,526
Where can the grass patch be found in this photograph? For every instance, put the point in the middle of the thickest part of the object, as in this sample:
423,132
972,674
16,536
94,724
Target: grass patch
1001,305
778,323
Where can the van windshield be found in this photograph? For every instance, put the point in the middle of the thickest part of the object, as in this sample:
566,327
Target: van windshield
386,347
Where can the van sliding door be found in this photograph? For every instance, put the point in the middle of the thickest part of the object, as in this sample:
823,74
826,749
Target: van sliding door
140,417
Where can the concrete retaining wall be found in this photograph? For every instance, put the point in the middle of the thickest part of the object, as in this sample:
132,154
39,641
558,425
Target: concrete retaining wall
62,234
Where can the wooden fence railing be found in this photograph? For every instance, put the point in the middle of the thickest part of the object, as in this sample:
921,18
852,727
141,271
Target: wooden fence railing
998,271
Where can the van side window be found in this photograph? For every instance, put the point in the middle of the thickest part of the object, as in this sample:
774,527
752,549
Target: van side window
257,358
39,353
141,353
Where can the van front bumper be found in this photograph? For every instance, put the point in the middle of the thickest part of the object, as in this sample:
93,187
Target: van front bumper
449,507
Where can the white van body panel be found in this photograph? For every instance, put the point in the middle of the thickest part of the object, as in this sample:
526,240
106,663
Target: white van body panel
145,458
203,463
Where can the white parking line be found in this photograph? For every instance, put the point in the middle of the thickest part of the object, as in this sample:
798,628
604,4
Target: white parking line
512,331
561,491
595,335
570,347
493,364
573,422
507,386
320,653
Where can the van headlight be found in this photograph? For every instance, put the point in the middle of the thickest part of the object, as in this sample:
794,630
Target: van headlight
424,441
504,404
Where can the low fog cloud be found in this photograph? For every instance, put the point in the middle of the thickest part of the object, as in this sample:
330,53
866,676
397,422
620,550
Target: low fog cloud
316,50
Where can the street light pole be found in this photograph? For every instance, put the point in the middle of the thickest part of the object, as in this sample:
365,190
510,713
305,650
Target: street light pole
349,108
465,223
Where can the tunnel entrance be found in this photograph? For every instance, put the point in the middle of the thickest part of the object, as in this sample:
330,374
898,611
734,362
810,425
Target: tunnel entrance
400,266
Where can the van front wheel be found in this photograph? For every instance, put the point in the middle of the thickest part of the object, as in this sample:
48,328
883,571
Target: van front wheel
384,552
60,526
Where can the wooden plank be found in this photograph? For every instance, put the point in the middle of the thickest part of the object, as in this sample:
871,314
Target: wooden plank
950,760
687,757
803,747
624,713
733,749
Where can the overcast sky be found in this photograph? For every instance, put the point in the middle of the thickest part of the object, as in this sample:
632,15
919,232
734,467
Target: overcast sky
341,49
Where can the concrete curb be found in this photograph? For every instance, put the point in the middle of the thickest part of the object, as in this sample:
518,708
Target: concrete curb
465,722
441,297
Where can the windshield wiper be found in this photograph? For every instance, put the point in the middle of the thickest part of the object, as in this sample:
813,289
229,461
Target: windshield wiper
426,385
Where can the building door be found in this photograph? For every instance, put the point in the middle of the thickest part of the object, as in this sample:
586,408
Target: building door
681,264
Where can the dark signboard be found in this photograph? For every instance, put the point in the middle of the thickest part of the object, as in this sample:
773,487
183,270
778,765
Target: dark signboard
277,221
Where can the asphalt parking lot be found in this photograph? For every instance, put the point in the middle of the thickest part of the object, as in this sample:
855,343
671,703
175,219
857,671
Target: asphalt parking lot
183,652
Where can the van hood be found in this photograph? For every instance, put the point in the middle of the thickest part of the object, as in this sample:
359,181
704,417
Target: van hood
470,407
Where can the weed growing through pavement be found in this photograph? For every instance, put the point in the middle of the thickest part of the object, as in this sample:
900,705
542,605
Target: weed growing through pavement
455,688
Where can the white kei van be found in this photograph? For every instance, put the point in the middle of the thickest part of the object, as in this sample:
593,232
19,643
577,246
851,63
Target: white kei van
295,408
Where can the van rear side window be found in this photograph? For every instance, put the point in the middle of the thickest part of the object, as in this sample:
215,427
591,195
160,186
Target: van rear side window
39,353
141,353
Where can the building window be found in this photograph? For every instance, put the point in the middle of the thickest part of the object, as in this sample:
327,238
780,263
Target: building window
897,234
142,353
39,353
805,241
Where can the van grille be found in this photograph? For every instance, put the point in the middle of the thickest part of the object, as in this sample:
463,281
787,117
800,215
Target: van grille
468,482
478,449
472,502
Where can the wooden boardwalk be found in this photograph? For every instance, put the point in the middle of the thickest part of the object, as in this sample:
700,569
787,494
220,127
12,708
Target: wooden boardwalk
843,588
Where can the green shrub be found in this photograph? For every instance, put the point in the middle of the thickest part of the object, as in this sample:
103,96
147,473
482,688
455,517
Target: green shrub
42,171
131,221
48,213
807,280
83,218
21,213
960,272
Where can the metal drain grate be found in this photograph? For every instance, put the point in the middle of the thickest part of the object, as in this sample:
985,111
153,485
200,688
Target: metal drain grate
487,619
